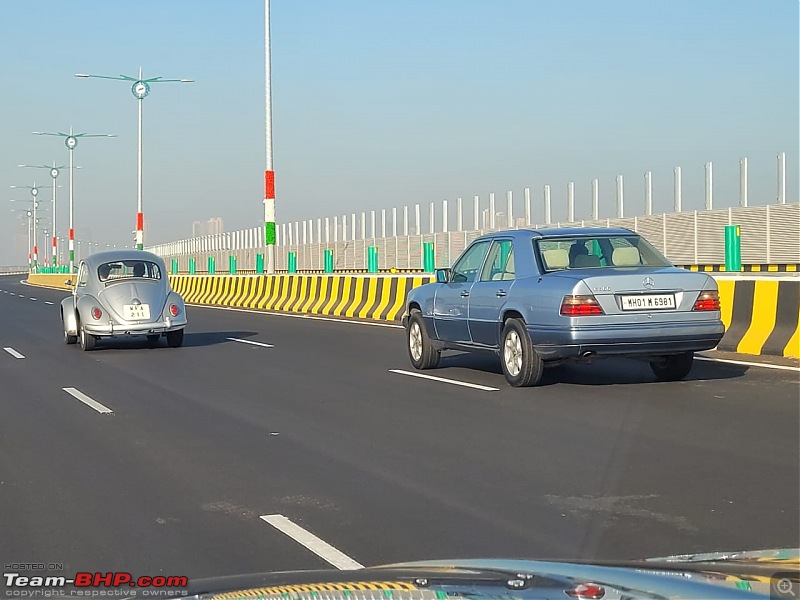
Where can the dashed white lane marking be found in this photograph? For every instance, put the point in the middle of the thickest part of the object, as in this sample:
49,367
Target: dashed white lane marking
749,364
475,386
13,353
34,299
46,302
319,547
87,400
251,342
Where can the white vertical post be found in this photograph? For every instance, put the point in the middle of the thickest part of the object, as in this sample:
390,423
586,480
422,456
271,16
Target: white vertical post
328,229
781,179
297,232
363,225
527,206
383,222
709,186
405,220
291,235
547,213
319,229
491,211
620,197
394,221
648,193
432,218
372,224
444,216
509,209
743,182
305,227
595,199
418,221
476,213
344,229
571,202
353,227
459,222
678,190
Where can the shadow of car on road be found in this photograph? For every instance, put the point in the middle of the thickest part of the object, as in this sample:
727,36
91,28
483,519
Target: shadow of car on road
194,339
607,371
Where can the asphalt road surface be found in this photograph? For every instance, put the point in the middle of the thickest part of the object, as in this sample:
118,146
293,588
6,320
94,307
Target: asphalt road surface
312,424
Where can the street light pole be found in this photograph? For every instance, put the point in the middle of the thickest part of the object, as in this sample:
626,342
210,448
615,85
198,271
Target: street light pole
269,173
34,193
140,89
54,173
71,141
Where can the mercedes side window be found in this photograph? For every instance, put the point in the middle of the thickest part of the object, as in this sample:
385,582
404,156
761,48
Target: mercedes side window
466,269
500,263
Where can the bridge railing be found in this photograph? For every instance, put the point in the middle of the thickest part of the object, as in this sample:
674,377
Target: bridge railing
769,235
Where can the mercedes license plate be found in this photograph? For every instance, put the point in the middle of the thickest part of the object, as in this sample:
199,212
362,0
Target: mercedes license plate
648,301
136,312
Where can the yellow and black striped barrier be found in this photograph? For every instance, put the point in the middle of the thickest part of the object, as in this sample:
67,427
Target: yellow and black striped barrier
761,316
377,298
753,268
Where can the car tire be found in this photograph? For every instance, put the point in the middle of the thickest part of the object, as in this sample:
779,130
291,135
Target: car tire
175,338
420,350
522,366
674,367
152,341
87,340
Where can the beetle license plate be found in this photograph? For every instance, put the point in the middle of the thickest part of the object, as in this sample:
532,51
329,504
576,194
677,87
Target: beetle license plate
135,312
648,302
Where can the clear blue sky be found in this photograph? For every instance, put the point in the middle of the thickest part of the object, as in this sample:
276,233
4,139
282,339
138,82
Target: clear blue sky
380,104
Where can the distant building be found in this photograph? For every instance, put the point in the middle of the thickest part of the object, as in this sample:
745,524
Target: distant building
211,227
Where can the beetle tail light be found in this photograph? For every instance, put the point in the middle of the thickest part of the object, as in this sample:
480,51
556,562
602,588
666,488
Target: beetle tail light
707,300
587,591
97,313
580,306
174,310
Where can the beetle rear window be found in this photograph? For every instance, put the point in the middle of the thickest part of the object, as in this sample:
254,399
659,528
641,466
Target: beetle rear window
128,269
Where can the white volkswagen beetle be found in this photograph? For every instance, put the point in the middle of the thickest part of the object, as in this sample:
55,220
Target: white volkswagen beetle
122,293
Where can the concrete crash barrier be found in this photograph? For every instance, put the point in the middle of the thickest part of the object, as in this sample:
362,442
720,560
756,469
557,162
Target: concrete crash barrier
761,316
51,280
378,298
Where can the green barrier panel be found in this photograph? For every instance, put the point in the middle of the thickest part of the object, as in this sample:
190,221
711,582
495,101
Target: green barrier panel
174,266
211,266
192,266
329,261
428,257
372,259
733,248
292,262
259,263
232,264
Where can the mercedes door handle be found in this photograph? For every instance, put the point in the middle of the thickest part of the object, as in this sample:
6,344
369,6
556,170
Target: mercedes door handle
464,294
500,293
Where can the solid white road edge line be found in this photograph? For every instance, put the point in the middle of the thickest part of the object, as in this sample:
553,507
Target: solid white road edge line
13,353
319,547
298,316
475,386
87,401
748,364
251,342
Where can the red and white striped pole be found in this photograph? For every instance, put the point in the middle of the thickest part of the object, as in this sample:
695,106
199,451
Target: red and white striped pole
269,173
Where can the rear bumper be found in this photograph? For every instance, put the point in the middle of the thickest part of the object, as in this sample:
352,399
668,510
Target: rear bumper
626,340
136,329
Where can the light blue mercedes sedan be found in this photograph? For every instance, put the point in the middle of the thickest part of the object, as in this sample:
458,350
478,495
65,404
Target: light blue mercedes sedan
541,297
